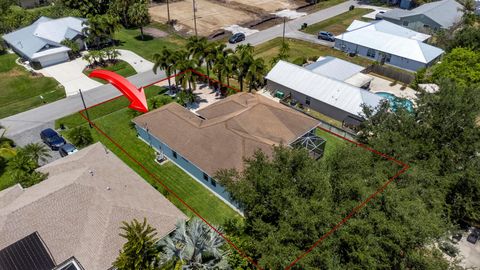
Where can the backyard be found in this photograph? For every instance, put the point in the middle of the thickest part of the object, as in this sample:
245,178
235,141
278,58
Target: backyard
338,24
114,119
21,91
301,50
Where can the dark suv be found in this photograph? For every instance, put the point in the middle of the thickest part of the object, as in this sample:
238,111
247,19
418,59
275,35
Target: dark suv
51,138
326,36
238,37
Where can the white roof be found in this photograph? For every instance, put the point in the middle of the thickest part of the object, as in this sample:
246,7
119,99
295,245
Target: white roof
333,92
390,38
57,30
334,68
49,52
359,79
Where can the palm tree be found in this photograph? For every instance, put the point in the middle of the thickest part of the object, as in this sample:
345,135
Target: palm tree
22,162
220,62
140,251
469,9
80,136
245,55
38,152
138,15
194,246
185,66
231,64
255,74
165,60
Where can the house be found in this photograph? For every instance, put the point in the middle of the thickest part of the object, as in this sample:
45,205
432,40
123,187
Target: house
221,135
427,17
331,97
341,70
40,42
73,217
388,43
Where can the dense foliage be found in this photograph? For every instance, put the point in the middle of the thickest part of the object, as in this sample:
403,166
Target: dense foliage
291,200
461,65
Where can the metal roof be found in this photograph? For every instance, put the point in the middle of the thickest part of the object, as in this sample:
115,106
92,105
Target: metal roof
34,38
384,36
389,28
333,92
446,12
334,68
27,253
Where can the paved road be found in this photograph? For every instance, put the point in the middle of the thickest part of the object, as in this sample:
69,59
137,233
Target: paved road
24,121
292,26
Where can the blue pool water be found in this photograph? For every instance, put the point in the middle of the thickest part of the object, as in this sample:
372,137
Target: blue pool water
396,102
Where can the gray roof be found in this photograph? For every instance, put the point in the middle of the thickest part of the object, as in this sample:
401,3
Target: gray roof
445,12
43,35
78,210
330,91
335,68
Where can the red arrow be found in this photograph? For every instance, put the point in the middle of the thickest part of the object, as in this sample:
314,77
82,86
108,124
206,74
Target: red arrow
137,98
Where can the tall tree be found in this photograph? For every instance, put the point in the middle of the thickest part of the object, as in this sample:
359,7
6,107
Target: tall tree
245,56
140,251
255,74
38,152
138,15
221,55
101,28
165,60
194,246
185,66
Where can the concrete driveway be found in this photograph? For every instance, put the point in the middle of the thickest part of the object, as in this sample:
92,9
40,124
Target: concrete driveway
138,63
70,75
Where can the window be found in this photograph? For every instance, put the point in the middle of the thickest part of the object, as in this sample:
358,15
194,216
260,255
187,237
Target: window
307,100
405,23
205,176
388,57
371,53
213,182
174,154
426,25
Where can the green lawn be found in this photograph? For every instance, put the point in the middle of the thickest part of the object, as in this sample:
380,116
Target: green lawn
130,40
302,49
20,91
337,24
114,119
121,67
333,142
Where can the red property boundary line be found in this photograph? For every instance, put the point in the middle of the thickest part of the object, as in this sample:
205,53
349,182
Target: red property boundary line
364,203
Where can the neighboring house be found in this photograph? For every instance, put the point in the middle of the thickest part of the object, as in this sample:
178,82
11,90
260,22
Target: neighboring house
331,97
40,43
427,17
77,211
341,70
221,135
388,43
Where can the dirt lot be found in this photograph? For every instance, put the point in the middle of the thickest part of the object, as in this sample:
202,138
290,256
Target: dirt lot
213,15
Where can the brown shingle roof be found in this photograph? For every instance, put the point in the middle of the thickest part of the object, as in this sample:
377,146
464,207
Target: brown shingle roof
78,210
232,129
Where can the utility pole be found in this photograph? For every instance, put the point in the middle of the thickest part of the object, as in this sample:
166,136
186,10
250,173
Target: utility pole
85,108
168,12
284,22
195,17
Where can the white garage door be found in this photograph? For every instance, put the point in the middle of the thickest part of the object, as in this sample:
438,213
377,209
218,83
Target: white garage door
53,59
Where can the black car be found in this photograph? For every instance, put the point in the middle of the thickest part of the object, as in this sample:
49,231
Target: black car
51,138
326,36
473,237
238,37
67,149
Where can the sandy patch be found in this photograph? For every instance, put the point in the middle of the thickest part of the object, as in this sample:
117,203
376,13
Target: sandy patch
210,16
290,14
154,32
267,5
238,29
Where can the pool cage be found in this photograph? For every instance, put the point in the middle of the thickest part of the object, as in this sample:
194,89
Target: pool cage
314,144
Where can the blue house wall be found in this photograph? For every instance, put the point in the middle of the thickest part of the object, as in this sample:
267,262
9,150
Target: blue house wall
187,166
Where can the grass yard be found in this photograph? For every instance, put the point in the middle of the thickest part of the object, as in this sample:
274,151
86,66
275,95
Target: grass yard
114,119
338,24
300,50
333,142
121,67
20,91
130,40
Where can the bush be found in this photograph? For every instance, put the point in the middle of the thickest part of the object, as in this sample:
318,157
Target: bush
352,7
449,249
300,61
81,136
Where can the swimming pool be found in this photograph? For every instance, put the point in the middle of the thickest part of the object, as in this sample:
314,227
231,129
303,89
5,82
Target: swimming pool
395,102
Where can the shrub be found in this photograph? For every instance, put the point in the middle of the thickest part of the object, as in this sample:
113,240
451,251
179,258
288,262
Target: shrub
352,7
81,136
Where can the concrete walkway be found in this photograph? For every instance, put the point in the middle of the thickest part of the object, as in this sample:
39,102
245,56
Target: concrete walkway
138,63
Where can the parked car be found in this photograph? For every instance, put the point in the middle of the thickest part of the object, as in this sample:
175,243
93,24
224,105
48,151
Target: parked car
326,36
238,37
51,138
67,149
